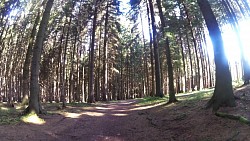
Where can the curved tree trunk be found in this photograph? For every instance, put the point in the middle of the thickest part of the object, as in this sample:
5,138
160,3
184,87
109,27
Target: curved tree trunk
223,93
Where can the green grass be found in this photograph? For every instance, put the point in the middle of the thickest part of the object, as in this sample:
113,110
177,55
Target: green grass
195,96
152,100
12,115
8,115
188,97
79,104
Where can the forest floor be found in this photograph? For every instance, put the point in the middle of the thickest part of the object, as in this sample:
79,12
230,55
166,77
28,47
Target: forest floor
146,119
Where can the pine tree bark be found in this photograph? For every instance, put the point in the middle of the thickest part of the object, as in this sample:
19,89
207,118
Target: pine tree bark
195,46
152,93
34,101
156,53
191,63
91,97
172,97
26,66
105,70
223,93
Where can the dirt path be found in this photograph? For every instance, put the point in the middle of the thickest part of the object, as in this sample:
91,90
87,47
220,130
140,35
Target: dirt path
126,121
104,121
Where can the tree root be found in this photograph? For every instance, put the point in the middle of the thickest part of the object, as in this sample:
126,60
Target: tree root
234,136
233,117
28,111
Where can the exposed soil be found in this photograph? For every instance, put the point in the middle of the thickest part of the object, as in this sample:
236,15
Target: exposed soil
127,121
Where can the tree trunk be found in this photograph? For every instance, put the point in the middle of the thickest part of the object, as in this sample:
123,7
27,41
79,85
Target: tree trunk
172,97
195,45
191,63
26,66
156,53
34,102
246,4
183,61
152,93
235,24
105,71
223,93
71,76
145,63
91,98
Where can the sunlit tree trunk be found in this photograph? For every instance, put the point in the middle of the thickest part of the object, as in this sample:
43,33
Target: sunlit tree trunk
71,77
4,28
34,102
203,60
26,66
235,25
145,63
246,4
104,63
241,8
207,63
183,61
223,93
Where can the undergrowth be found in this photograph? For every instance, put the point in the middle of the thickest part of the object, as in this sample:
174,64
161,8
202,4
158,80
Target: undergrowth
8,115
152,100
190,97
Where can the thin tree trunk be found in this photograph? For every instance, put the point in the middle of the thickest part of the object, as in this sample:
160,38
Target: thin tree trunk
156,53
191,63
172,97
71,76
195,46
91,98
152,93
235,24
145,63
246,4
104,71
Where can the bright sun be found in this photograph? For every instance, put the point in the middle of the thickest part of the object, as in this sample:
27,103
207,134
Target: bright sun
231,41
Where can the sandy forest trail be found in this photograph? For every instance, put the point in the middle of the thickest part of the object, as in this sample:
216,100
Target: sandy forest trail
128,121
104,121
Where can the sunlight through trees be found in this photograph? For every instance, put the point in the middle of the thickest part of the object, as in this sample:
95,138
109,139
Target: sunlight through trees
89,51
